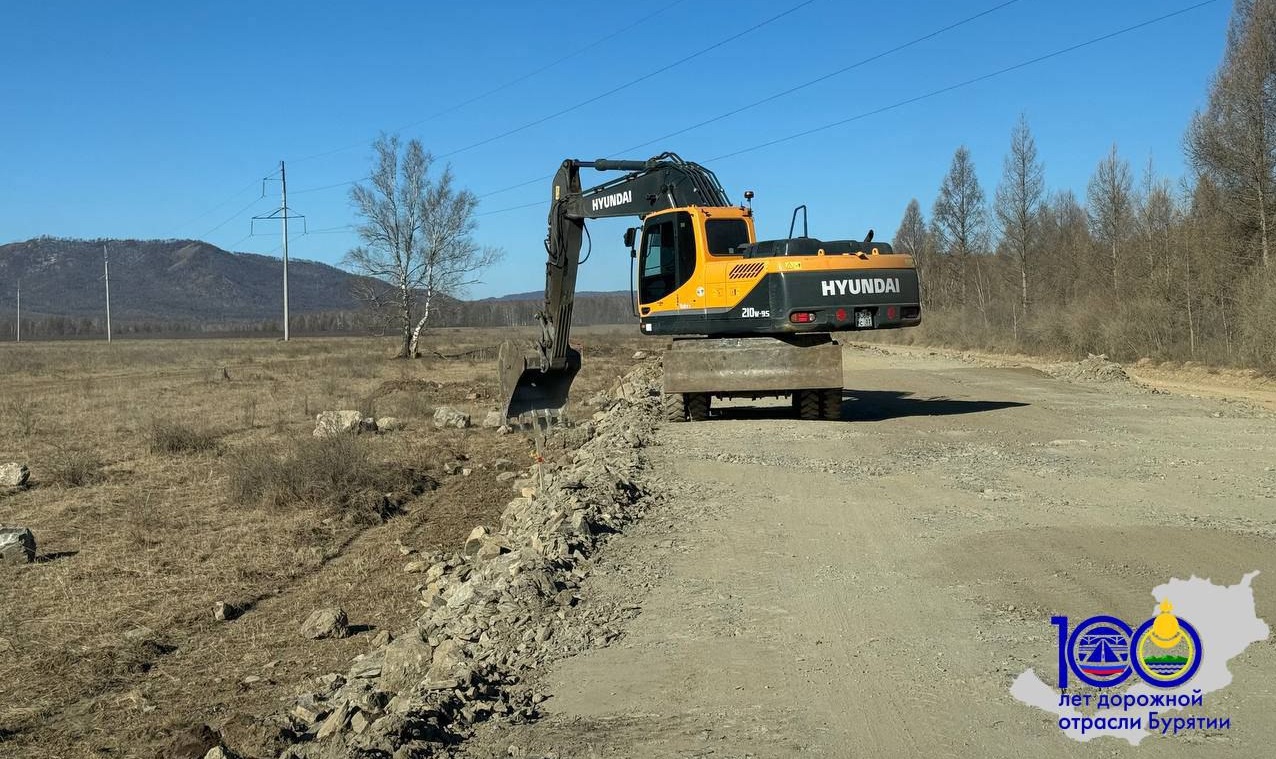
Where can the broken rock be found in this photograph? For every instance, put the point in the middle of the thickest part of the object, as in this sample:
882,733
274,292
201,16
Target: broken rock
225,612
326,623
17,545
389,424
450,417
449,655
331,423
406,659
335,722
493,420
14,476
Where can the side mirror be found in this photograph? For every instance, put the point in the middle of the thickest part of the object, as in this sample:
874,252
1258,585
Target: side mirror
630,235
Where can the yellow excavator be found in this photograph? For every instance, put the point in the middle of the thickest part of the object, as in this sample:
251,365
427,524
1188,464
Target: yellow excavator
747,318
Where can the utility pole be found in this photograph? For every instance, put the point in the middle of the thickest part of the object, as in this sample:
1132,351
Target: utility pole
283,214
106,275
283,182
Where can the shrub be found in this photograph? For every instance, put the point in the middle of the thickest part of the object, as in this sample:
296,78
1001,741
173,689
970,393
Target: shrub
74,467
170,436
337,472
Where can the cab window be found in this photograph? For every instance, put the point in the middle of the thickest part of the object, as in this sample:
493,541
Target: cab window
668,256
724,237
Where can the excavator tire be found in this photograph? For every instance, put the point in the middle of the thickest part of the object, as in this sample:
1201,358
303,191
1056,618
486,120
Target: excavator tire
808,404
675,407
831,403
697,406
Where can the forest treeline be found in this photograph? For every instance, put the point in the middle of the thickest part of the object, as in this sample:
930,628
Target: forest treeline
1140,266
592,309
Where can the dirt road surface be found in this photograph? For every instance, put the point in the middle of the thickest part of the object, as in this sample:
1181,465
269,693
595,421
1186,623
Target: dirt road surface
871,587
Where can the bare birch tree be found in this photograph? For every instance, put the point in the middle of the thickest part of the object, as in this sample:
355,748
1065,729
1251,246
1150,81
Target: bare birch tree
1018,202
417,235
1234,140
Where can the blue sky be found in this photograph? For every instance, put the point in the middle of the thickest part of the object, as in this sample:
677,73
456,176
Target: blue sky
142,119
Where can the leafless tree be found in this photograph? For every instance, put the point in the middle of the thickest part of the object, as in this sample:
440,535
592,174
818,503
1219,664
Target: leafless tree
1018,202
913,238
1156,215
1066,243
1234,140
1111,206
417,235
960,216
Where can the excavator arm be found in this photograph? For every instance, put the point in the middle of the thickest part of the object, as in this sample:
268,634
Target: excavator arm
538,384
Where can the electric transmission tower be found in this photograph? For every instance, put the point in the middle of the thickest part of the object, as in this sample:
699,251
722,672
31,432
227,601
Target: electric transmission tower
283,214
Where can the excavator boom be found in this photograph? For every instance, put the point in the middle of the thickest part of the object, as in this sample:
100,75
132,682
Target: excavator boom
537,385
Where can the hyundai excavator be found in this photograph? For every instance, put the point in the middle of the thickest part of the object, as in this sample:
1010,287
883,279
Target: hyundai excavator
747,318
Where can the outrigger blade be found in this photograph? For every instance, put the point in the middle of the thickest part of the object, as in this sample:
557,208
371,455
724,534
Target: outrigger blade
530,392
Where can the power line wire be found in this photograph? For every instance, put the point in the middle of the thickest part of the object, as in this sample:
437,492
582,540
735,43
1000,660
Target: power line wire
968,82
937,92
595,98
506,85
236,215
632,82
215,208
512,208
810,82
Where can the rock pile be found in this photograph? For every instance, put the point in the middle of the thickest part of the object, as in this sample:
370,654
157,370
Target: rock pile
503,605
1094,368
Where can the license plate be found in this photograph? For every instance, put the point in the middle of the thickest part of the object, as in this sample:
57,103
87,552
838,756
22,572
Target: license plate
864,319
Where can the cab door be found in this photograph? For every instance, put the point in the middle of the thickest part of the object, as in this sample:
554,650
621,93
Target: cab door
666,266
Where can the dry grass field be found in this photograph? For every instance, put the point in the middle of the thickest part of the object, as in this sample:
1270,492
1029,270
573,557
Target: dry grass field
167,476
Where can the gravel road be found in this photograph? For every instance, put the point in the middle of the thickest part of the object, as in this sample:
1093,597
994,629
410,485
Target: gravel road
871,587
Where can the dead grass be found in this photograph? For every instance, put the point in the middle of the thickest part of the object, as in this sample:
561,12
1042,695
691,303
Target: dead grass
145,529
172,436
338,473
73,467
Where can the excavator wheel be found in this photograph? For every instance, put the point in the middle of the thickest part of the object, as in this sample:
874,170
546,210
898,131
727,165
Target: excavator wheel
807,403
675,407
831,403
697,406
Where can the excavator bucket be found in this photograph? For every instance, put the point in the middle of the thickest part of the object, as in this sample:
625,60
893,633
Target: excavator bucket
530,393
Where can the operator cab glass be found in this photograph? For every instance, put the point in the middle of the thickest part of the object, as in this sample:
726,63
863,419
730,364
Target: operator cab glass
668,255
726,237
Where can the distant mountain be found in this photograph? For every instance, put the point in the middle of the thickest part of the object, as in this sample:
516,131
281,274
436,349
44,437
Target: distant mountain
184,286
164,280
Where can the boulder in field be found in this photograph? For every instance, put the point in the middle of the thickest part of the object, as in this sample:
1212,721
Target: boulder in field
329,423
13,476
17,545
450,417
389,424
330,622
